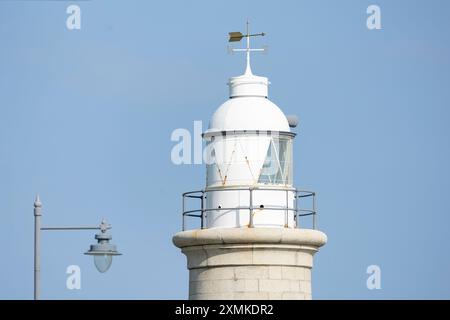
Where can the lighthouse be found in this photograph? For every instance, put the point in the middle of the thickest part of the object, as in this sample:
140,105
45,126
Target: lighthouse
257,233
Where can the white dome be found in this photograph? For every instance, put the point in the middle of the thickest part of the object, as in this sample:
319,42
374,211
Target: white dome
248,113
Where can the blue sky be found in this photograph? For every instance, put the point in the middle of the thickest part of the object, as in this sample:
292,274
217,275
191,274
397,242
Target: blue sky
86,118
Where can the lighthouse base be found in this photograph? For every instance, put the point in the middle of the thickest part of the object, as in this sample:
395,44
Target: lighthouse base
250,263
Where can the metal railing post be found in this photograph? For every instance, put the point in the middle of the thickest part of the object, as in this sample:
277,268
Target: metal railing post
201,210
251,208
286,222
296,209
182,222
314,210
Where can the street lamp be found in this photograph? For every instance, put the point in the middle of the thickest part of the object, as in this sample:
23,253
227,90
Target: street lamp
102,251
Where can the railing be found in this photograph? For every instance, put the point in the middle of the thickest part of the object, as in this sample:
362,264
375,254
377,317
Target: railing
297,210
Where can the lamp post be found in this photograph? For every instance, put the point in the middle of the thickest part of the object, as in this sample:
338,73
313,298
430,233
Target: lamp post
102,251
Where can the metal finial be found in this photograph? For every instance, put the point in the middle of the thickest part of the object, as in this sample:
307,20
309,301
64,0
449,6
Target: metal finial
104,226
37,201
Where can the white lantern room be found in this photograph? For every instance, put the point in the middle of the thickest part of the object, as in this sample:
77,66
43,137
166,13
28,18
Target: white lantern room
249,174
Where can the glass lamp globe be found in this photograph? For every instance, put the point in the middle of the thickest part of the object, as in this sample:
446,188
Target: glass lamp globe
102,262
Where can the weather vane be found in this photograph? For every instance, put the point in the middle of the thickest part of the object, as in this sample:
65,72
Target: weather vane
237,36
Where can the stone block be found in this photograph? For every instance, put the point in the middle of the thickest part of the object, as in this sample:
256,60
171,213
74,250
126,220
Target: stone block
212,296
304,258
293,273
274,285
293,296
211,286
269,256
251,296
275,295
228,256
305,287
251,272
294,286
308,274
196,257
275,272
213,273
248,285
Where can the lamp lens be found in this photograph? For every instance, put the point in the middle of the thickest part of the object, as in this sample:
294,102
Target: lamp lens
102,262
